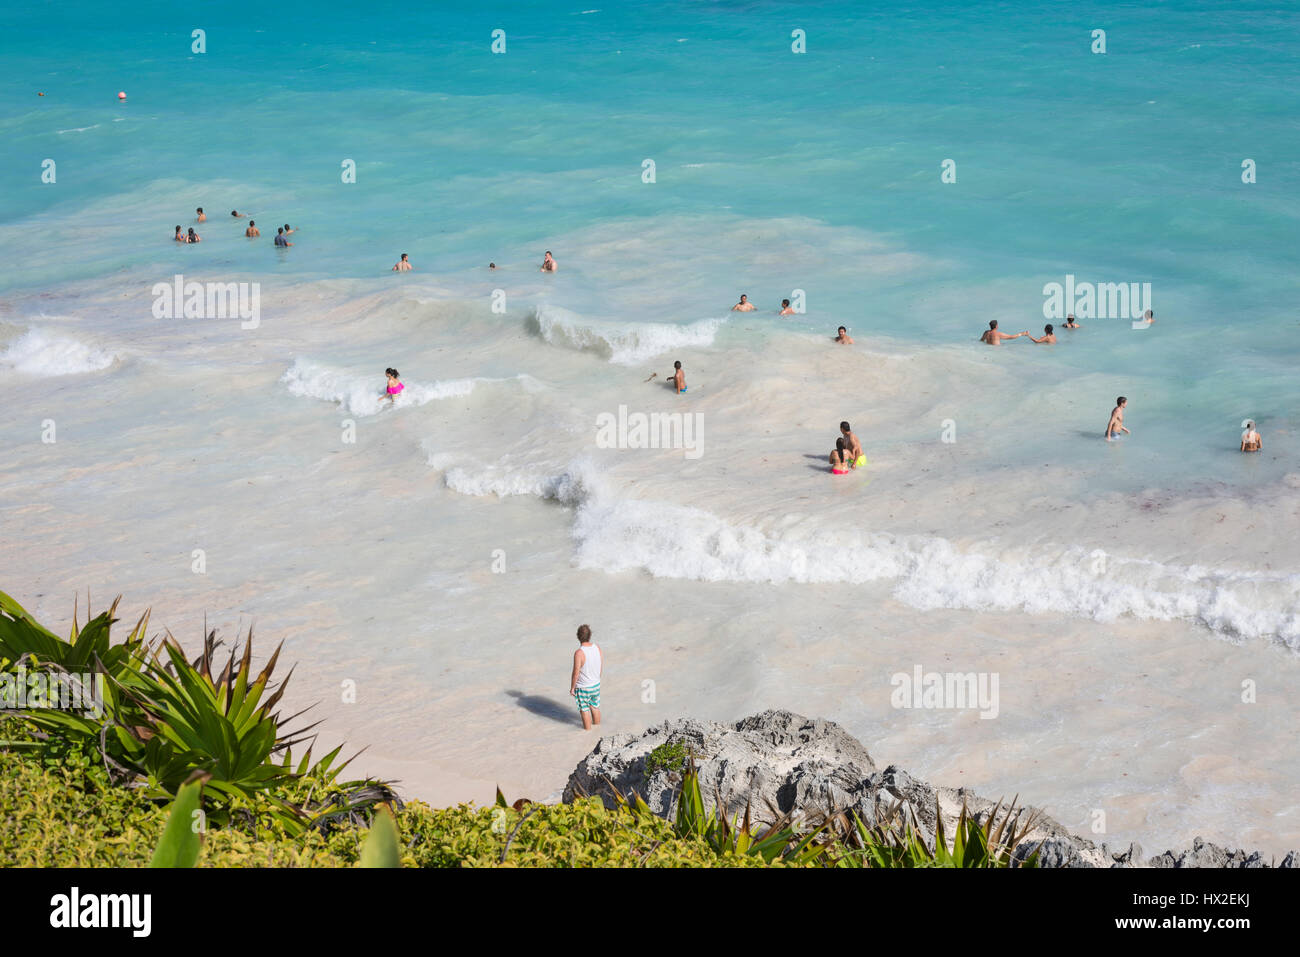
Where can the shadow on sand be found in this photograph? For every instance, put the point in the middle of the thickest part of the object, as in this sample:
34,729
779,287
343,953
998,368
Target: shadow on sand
546,707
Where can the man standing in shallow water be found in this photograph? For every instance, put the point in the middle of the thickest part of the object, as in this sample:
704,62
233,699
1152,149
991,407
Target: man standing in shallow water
994,338
584,683
1116,424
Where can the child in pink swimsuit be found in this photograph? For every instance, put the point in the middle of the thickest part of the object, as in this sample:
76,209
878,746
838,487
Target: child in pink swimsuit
394,384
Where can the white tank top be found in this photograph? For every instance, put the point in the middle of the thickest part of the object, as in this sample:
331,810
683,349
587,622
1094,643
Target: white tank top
589,675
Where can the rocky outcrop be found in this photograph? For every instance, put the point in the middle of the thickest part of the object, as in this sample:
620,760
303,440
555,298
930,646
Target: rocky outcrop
782,763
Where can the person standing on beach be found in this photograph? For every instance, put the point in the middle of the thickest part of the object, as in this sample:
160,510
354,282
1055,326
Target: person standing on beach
1250,440
744,305
1116,424
584,683
994,338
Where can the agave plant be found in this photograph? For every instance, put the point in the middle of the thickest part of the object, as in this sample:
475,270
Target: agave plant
166,718
738,836
897,842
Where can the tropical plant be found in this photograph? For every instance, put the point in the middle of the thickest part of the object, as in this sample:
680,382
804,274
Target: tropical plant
164,718
897,841
669,756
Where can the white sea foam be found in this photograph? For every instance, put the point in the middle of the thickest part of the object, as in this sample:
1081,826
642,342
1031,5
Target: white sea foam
39,352
364,395
625,343
615,534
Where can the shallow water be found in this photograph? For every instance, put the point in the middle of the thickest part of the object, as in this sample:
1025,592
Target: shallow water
1122,592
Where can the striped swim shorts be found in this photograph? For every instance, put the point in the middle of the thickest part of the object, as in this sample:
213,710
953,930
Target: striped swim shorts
588,698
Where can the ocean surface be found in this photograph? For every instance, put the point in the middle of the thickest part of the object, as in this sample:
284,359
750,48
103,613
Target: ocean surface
917,172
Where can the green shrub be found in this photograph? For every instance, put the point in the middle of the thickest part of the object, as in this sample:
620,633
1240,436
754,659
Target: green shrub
669,756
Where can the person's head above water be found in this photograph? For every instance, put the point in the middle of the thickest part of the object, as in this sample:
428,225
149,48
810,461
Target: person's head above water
993,323
234,212
178,229
192,231
785,303
584,633
743,297
492,265
286,226
199,209
392,372
677,364
842,329
1048,328
279,231
1250,424
844,427
1121,401
252,222
403,257
841,445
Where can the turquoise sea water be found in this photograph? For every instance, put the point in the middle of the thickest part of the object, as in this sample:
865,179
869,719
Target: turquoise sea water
1120,167
718,578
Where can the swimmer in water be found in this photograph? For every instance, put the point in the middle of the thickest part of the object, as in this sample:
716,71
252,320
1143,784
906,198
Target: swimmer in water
548,263
193,237
403,265
1116,424
252,232
1049,336
288,230
237,215
852,446
840,459
492,265
280,240
785,308
1148,317
679,377
844,338
743,306
1070,323
394,384
203,217
994,338
180,236
1250,440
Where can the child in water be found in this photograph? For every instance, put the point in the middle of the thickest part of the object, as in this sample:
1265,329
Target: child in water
394,384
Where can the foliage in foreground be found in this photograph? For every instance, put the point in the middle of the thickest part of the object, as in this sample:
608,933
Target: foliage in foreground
163,719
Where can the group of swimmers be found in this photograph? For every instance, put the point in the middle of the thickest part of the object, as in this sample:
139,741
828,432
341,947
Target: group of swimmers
252,232
548,264
847,454
746,306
